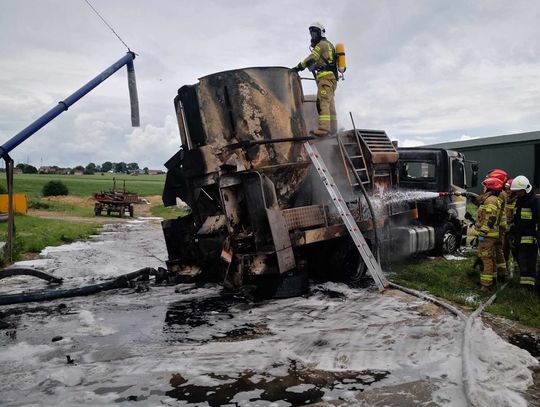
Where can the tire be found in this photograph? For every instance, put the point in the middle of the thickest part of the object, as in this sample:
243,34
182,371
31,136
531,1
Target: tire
131,211
294,284
446,240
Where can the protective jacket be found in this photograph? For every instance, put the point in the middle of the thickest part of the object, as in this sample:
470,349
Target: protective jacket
503,224
527,219
322,60
510,209
488,216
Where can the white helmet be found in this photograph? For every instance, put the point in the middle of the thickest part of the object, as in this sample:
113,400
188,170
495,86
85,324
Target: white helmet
521,182
318,26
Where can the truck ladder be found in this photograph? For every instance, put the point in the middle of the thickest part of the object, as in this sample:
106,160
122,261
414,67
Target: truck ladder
372,265
354,159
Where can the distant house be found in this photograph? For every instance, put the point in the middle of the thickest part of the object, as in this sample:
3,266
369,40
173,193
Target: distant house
155,172
45,169
78,172
17,170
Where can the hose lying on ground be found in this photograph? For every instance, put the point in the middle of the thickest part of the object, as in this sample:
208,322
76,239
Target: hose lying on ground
29,272
119,282
466,365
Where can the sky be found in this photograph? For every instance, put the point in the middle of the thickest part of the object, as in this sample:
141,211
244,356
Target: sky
426,71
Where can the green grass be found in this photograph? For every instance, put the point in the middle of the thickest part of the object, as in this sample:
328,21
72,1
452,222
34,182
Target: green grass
34,234
457,281
86,185
170,212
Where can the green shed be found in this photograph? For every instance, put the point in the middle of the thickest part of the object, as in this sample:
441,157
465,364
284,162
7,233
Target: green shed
517,154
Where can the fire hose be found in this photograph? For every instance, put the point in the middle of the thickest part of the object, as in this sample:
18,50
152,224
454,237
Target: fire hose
119,282
466,367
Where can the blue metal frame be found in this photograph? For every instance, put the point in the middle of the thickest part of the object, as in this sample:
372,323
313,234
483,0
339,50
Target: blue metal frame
65,104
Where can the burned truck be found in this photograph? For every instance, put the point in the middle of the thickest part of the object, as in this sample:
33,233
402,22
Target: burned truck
260,215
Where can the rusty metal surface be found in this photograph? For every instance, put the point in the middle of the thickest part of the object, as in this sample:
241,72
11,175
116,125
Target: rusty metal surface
286,180
304,216
253,104
301,238
378,146
212,224
282,241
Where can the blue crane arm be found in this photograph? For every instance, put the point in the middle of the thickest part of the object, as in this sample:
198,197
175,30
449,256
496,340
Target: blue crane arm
70,100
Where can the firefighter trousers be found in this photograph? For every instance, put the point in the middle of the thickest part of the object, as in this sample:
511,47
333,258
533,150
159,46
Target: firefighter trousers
500,257
487,253
326,88
527,256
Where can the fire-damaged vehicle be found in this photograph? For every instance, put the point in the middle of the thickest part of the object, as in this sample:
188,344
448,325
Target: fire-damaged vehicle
260,215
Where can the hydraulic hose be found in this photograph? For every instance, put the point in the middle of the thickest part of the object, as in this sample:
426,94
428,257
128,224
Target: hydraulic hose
119,282
29,272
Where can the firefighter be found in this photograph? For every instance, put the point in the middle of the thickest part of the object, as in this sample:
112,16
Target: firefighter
509,243
527,230
502,197
322,62
487,229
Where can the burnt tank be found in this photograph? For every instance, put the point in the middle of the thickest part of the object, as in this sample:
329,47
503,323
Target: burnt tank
259,213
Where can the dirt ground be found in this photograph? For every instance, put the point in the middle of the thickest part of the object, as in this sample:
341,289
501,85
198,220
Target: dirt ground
141,209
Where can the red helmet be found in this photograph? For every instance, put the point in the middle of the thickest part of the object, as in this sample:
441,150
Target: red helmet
499,174
493,184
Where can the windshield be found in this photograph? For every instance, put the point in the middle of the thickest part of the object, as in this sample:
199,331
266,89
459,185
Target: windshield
414,171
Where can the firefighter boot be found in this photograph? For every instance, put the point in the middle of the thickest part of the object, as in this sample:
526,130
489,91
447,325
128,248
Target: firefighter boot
319,133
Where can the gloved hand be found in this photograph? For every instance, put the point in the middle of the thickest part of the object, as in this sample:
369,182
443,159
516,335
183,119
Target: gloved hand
298,67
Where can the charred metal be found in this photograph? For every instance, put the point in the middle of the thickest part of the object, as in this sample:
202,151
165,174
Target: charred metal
259,214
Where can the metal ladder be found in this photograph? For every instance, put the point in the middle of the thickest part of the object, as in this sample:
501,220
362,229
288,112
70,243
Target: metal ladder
354,159
372,265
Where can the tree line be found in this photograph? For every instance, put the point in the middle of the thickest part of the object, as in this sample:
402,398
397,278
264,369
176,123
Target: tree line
89,169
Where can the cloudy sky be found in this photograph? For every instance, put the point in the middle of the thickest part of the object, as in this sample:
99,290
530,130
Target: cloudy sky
423,70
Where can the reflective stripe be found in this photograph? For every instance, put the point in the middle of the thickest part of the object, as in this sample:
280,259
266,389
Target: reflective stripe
527,240
492,234
527,280
324,73
526,213
501,266
491,208
486,277
324,117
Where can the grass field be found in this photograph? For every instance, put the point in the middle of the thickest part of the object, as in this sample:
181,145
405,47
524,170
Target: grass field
457,281
86,185
34,234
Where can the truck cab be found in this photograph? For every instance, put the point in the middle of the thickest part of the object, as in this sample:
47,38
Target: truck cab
438,170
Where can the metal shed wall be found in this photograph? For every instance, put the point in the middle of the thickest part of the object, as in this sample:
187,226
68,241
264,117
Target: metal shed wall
517,154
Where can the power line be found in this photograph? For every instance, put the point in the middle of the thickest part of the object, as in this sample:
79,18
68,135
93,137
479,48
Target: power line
107,24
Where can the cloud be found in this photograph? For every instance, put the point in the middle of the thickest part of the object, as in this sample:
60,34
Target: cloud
424,71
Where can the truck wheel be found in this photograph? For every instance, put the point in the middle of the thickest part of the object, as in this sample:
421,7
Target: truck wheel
446,240
131,211
292,285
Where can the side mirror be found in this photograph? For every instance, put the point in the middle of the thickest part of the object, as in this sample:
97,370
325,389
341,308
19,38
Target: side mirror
474,176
